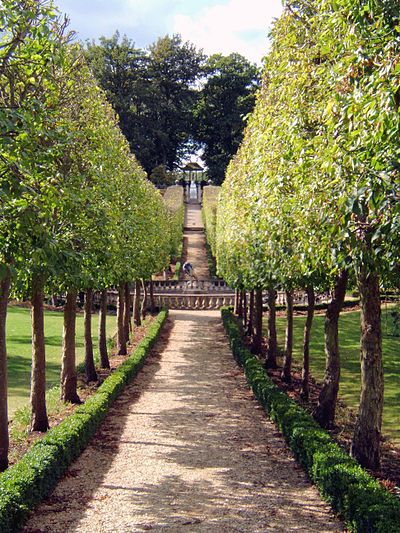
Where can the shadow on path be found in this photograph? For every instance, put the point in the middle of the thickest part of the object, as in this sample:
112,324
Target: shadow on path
186,448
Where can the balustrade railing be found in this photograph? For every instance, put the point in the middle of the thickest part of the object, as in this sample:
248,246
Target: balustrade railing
194,301
182,285
206,294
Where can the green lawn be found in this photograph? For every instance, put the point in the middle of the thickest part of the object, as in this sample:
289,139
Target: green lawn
19,350
350,373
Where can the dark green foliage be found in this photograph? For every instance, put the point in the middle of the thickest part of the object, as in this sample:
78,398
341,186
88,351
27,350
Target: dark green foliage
227,97
162,111
153,92
364,504
27,483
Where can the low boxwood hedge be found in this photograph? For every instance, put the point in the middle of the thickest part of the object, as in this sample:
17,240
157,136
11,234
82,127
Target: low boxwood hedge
27,483
363,503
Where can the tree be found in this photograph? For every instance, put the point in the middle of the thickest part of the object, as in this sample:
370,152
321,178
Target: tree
18,87
4,439
225,100
32,55
312,191
174,69
153,92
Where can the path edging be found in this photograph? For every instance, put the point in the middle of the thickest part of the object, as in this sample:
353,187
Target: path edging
363,503
27,483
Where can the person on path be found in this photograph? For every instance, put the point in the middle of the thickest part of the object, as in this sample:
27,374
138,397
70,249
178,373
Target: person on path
189,271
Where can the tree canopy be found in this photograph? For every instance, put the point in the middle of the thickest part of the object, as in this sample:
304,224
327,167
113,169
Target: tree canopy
171,99
77,211
152,91
313,189
225,100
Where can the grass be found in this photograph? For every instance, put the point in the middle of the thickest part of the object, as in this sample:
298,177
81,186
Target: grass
19,350
349,338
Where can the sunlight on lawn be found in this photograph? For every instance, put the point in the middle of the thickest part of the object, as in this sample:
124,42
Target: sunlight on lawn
350,370
19,350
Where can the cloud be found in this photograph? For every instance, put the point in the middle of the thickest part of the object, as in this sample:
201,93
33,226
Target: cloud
236,26
215,25
141,20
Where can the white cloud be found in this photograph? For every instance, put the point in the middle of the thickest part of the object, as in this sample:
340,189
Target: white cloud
141,20
215,25
237,26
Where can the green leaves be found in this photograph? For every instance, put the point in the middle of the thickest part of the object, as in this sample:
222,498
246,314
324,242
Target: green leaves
153,92
312,185
75,204
228,96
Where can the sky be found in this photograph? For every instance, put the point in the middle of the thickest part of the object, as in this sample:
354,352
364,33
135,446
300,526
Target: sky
222,26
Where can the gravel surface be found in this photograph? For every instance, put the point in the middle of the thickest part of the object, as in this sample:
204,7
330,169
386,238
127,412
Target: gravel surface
195,242
186,448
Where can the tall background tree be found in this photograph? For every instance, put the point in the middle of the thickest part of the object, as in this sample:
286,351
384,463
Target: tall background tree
171,99
227,97
153,92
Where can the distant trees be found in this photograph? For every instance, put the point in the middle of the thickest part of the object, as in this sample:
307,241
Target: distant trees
153,92
173,199
225,100
171,98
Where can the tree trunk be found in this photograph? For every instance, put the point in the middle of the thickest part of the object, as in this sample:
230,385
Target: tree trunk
236,305
136,308
104,361
257,337
305,373
244,298
287,362
152,302
4,439
69,380
240,304
367,433
127,311
39,420
143,309
272,352
121,338
251,315
325,410
90,368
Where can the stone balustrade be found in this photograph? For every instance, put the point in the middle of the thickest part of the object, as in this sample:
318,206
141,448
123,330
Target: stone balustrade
205,294
194,301
183,286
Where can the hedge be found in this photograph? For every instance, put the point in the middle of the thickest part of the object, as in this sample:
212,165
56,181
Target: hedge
363,503
26,484
209,212
173,199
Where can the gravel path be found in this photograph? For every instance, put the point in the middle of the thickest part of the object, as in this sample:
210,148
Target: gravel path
186,448
195,245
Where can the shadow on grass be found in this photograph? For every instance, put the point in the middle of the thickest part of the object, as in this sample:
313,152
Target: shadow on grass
349,338
19,378
51,340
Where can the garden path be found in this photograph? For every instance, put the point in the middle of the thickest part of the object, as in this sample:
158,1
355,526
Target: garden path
194,249
186,448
